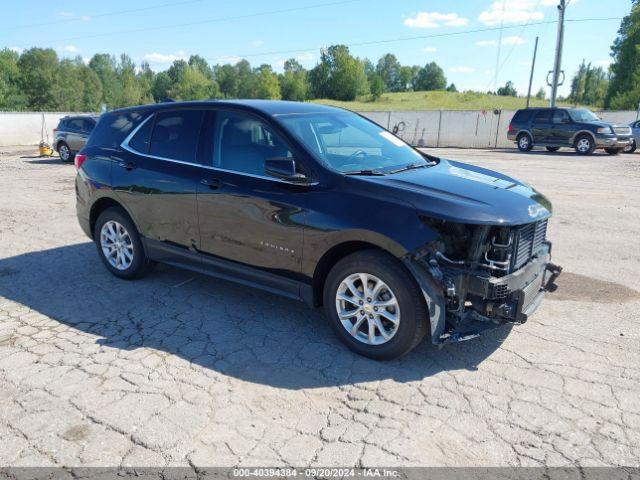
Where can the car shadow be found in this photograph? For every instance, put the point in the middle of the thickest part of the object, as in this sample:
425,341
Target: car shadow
45,160
235,330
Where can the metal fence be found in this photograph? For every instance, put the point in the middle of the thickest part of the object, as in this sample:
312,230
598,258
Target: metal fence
428,128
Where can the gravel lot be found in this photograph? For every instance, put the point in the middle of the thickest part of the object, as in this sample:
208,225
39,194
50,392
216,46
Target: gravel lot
181,369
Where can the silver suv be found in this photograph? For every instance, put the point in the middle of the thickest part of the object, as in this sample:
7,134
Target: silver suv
71,134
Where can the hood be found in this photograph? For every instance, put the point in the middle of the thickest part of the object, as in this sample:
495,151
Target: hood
465,193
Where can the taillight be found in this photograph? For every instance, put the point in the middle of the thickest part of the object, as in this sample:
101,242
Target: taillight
510,128
79,160
55,130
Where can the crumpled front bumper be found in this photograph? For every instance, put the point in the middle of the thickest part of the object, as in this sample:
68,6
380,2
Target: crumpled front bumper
515,296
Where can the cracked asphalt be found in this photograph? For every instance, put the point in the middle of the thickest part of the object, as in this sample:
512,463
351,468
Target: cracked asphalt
179,369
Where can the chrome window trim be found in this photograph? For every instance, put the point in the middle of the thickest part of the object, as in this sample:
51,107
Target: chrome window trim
125,146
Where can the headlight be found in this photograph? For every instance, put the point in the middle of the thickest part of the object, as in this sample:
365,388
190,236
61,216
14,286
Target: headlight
605,130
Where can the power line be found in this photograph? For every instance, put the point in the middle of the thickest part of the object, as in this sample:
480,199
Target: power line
102,15
211,20
417,37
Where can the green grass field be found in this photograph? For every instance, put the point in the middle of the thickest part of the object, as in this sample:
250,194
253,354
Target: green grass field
436,100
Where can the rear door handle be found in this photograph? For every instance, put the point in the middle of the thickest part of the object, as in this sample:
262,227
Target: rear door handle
127,165
212,183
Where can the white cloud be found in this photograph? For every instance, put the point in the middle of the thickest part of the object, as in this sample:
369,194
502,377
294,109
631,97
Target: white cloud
232,59
257,43
435,20
18,50
604,62
85,18
65,14
486,43
69,49
512,11
512,40
165,58
462,69
429,49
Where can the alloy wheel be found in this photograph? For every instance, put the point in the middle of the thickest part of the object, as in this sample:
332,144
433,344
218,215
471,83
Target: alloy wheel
116,245
583,145
367,308
64,153
524,142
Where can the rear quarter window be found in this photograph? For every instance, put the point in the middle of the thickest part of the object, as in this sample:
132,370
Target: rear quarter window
113,128
140,141
523,116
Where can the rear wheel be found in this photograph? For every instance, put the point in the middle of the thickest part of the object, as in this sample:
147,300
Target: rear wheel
524,142
584,145
552,149
374,305
65,152
119,245
612,150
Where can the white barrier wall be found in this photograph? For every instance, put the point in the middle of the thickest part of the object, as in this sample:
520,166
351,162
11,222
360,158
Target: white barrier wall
24,128
429,128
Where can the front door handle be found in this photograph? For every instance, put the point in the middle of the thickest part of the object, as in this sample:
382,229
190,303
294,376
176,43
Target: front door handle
127,165
212,183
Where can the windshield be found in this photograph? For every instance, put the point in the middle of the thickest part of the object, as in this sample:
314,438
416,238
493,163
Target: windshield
349,143
583,115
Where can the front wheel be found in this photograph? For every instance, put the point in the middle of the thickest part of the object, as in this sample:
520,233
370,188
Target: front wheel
374,305
630,148
613,150
585,145
119,245
524,142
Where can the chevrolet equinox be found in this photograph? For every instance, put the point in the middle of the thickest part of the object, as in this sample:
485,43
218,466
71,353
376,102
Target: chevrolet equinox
317,204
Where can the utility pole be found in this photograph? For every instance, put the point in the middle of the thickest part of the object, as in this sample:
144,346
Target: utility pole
558,62
533,66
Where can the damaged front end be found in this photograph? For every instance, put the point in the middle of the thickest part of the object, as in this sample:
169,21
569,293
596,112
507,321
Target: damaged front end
478,277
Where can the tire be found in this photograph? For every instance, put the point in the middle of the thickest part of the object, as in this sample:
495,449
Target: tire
584,145
630,148
120,225
524,142
552,149
613,150
65,152
411,311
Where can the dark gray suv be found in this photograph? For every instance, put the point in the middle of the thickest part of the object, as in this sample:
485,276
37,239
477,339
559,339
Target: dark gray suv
576,128
71,134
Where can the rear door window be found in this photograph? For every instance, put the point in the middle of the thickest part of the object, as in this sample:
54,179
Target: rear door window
175,135
88,125
75,124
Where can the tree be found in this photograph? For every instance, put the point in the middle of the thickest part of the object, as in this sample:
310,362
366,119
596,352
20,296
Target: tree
407,76
624,87
388,69
200,64
430,77
189,82
161,86
293,82
11,98
246,79
508,90
452,88
266,83
376,85
105,67
339,75
39,77
227,77
69,89
92,91
589,85
541,94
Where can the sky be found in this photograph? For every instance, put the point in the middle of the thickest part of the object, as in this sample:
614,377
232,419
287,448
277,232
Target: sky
463,36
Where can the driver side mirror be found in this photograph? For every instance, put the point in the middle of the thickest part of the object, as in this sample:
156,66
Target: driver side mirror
284,168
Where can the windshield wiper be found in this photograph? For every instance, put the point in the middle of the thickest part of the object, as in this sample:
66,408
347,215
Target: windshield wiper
411,167
365,172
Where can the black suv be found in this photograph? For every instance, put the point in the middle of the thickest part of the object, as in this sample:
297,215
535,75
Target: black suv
318,204
576,128
71,134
